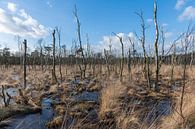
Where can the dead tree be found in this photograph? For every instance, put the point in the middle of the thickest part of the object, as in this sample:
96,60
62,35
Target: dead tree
122,57
54,78
59,41
82,69
156,47
88,53
187,40
64,54
129,62
163,46
18,38
192,53
107,61
173,60
133,49
146,58
41,52
24,61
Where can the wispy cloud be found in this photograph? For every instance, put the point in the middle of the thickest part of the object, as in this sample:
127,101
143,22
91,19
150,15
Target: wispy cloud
19,22
179,4
11,6
188,14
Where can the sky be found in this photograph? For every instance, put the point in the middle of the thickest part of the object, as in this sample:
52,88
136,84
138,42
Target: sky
35,19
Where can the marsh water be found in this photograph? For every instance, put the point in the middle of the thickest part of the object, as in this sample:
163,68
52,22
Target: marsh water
33,121
38,120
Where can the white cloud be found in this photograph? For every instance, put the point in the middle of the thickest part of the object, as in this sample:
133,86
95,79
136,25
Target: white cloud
11,6
115,43
188,14
21,23
179,4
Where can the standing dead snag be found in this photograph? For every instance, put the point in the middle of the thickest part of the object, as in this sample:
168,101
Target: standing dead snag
146,58
129,63
54,78
192,53
123,57
187,40
59,56
133,49
173,60
107,62
41,52
24,62
82,69
156,46
163,45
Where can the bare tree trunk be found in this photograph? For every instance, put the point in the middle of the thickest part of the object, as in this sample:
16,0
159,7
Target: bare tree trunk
83,70
173,59
122,57
187,41
107,62
192,54
60,62
163,50
129,63
146,58
156,47
24,62
133,49
41,56
54,78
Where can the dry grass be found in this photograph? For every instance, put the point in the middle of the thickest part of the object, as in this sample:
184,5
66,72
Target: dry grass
113,93
110,95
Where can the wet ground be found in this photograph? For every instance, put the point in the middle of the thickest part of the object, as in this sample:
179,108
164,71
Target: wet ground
32,121
38,121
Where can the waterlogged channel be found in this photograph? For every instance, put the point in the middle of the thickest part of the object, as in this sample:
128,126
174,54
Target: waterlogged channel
161,108
39,120
33,121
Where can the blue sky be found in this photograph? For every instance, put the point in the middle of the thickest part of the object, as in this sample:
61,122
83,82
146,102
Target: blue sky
34,19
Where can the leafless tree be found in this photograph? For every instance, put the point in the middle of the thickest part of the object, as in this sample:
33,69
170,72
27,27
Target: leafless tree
107,62
54,78
173,61
192,52
156,47
59,41
41,52
146,58
122,56
129,63
24,61
82,69
133,49
186,41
